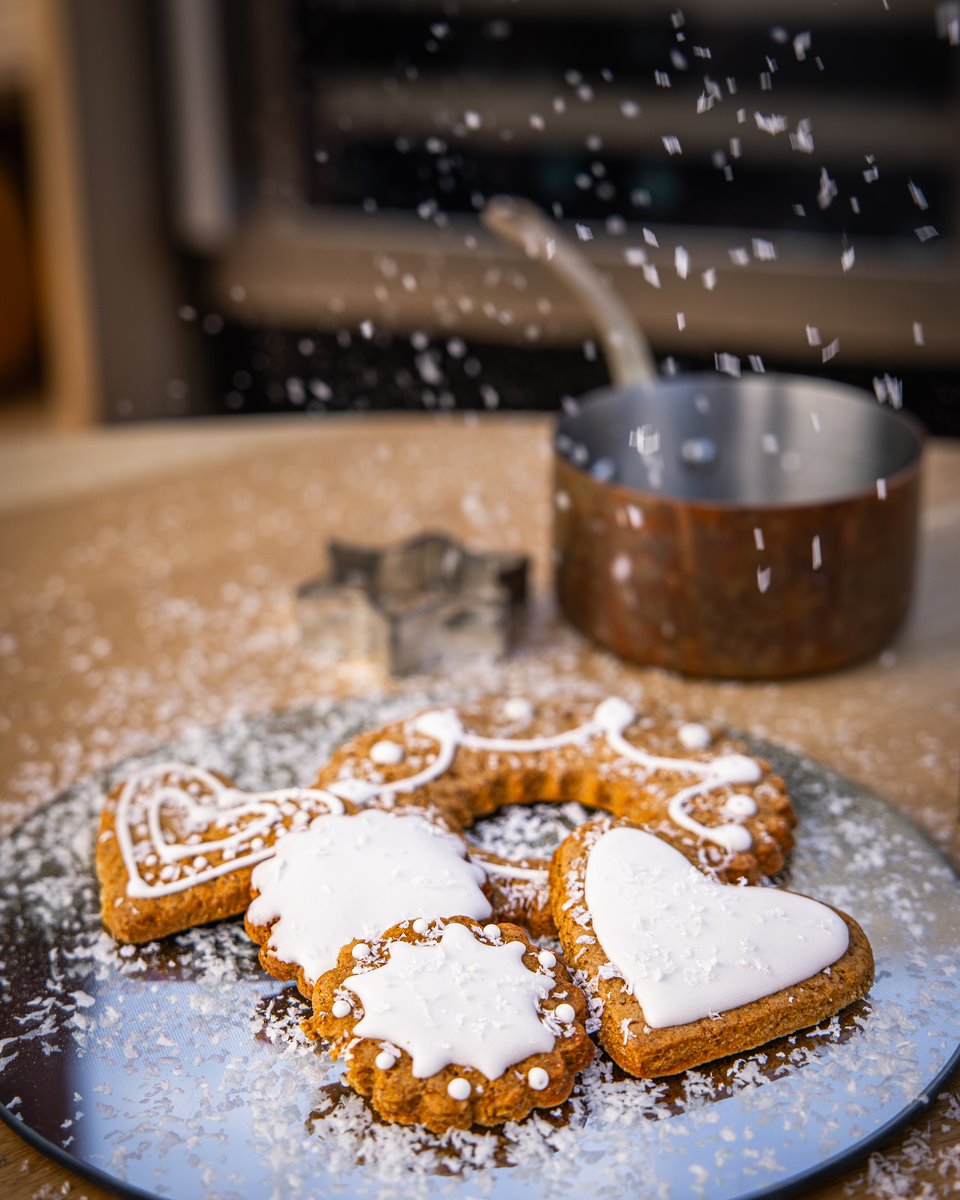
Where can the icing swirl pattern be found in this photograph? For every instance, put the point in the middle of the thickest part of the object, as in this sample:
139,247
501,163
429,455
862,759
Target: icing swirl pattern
609,721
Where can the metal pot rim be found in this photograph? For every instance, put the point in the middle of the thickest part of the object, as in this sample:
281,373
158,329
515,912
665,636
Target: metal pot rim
601,400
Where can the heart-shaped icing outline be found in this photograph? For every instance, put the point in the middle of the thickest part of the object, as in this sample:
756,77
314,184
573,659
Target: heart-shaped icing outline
155,781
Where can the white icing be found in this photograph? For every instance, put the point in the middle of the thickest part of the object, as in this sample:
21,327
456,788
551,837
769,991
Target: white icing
355,876
509,870
147,792
518,709
537,1078
341,1008
387,753
457,1001
492,932
459,1088
565,1013
688,946
610,719
385,1061
360,951
547,959
738,806
694,736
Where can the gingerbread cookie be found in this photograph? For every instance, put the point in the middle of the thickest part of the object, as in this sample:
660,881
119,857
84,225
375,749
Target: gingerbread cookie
690,969
450,1024
177,844
694,787
354,875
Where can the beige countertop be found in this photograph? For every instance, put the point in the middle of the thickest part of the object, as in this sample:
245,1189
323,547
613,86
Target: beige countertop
146,577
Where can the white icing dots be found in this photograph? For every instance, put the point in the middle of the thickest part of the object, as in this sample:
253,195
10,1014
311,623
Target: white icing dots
387,753
518,709
492,932
421,925
614,715
693,736
738,806
360,951
458,1001
621,568
547,959
565,1013
441,724
732,838
385,1061
735,768
459,1088
537,1078
341,1008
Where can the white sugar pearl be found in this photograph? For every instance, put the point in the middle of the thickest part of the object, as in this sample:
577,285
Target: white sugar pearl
694,736
385,1060
361,950
547,959
565,1013
537,1078
387,754
518,709
341,1008
492,932
739,805
421,925
735,839
459,1089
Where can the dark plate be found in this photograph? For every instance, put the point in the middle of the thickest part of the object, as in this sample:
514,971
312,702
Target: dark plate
177,1069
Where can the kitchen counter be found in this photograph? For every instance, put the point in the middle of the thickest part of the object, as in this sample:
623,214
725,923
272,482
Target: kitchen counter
146,580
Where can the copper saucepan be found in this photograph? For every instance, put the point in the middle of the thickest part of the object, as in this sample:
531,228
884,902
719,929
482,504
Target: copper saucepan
740,528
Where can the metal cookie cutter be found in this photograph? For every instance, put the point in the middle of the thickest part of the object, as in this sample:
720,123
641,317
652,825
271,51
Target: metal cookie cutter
415,605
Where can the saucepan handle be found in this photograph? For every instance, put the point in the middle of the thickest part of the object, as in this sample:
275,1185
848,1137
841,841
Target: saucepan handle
524,225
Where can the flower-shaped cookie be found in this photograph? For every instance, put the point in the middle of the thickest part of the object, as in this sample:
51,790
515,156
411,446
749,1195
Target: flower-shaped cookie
448,1024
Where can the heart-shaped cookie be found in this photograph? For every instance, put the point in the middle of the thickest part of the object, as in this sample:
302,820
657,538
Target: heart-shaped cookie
177,844
690,969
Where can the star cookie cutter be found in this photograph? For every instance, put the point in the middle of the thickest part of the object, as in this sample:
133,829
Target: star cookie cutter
414,606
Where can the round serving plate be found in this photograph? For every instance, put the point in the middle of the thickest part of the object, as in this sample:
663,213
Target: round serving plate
178,1068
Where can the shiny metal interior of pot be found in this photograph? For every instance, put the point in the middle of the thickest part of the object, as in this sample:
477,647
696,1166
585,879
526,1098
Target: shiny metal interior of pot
756,441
